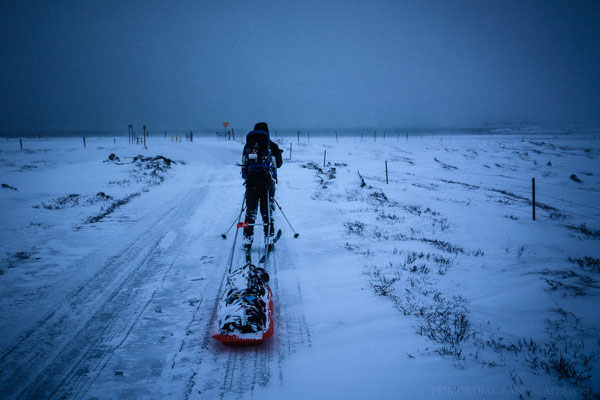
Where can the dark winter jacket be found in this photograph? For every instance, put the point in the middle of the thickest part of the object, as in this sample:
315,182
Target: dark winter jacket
276,151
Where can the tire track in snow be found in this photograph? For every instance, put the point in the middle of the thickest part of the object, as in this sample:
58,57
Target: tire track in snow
64,349
123,308
121,325
289,316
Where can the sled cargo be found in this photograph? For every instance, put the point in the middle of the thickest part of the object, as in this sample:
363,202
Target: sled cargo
245,312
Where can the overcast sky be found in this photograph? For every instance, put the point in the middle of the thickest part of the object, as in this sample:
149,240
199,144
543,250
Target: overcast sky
105,64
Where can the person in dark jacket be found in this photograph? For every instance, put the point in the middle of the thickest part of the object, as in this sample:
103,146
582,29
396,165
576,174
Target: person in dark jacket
260,159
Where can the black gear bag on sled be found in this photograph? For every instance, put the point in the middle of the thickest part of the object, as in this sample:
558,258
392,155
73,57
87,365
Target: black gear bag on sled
245,313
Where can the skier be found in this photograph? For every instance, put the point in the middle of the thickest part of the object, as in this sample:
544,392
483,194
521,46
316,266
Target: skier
260,160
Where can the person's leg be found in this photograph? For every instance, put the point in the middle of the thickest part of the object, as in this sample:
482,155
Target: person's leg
264,210
272,202
251,207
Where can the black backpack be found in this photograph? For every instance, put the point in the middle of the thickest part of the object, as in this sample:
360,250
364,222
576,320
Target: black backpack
257,168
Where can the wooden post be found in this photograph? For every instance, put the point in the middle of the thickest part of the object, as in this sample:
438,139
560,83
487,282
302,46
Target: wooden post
290,150
145,137
298,136
324,157
374,136
191,137
336,137
84,142
21,143
114,140
386,173
130,133
533,197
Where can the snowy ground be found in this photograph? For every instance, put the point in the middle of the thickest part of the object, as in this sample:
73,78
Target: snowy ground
436,285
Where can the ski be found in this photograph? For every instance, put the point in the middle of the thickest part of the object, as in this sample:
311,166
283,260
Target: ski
277,236
275,239
247,250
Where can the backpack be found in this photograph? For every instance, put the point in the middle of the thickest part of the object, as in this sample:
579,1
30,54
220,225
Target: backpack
257,168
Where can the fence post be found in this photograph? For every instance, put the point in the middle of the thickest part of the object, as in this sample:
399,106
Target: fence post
336,137
324,157
374,136
84,142
233,133
533,197
298,136
290,150
386,173
145,137
191,137
21,143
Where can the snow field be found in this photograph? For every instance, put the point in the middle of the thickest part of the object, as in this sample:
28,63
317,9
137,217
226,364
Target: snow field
494,263
367,299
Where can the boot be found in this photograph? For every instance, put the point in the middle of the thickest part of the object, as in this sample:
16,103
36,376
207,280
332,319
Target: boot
269,241
246,242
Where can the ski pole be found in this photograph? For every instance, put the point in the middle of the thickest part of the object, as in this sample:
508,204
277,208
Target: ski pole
288,221
224,235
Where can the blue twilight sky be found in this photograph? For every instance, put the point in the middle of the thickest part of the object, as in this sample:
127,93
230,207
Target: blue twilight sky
190,64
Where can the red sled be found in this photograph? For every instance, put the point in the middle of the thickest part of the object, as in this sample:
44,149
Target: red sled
253,338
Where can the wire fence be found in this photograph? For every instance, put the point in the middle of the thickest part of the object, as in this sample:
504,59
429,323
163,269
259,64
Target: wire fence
474,195
515,194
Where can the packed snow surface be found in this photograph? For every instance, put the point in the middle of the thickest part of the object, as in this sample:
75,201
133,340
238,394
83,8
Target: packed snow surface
431,282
